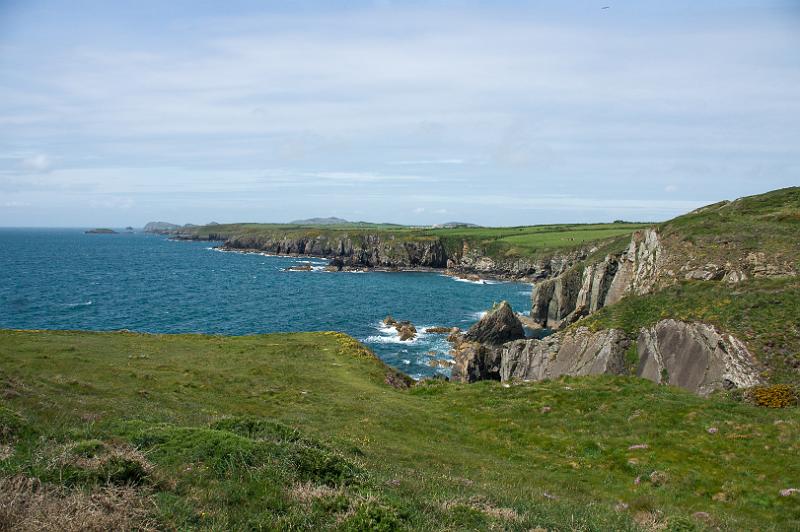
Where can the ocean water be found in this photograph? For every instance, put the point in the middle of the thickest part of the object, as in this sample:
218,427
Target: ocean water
65,279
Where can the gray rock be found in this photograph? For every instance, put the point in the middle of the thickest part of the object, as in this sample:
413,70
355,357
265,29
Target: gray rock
554,302
695,356
576,352
475,362
498,326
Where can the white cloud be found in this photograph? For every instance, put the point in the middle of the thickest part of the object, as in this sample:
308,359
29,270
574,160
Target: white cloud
429,161
483,98
36,163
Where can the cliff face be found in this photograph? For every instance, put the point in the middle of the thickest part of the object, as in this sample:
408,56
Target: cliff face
366,251
387,251
578,353
471,260
579,291
693,356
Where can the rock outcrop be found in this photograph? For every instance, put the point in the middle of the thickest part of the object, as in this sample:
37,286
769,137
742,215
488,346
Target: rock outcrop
576,352
498,326
477,352
695,356
405,329
474,361
581,290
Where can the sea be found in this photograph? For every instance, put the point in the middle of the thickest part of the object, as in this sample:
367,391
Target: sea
66,279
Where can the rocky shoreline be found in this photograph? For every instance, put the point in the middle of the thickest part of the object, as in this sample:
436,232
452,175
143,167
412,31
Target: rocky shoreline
336,265
374,252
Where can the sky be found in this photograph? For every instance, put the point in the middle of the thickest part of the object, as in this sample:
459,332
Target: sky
496,112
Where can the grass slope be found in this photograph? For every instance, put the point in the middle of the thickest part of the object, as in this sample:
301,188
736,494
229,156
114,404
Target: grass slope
300,431
728,231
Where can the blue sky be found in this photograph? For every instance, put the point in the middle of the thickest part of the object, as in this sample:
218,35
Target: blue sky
498,113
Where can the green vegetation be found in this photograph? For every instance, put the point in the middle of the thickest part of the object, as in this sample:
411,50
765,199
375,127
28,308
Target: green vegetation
301,431
727,231
761,312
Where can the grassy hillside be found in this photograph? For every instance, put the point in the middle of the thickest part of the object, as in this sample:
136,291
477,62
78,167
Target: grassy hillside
728,231
497,242
301,431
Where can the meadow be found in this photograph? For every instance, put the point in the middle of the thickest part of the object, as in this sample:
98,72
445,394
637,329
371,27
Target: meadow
310,430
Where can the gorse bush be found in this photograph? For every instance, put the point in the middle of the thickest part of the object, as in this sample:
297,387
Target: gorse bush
775,396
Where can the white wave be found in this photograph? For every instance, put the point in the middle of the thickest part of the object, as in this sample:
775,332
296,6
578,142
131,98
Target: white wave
388,340
462,280
76,305
478,315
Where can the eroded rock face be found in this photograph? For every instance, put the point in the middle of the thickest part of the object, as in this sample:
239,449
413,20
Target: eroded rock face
576,352
695,356
575,293
366,251
498,326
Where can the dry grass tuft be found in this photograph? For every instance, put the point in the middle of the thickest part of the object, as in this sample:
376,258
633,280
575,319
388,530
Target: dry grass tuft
650,521
308,492
482,505
6,451
27,504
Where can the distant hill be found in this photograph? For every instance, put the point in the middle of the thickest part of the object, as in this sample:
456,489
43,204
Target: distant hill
161,227
451,225
166,228
332,220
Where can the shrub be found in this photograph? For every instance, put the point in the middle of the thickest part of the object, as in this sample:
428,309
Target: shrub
257,428
321,466
219,450
87,448
775,396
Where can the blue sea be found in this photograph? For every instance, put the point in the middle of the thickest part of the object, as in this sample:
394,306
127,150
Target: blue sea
65,279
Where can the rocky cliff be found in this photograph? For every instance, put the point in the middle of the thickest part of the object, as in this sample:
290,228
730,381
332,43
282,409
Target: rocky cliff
694,356
651,261
350,251
354,249
585,288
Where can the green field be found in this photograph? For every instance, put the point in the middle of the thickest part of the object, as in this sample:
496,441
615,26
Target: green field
301,431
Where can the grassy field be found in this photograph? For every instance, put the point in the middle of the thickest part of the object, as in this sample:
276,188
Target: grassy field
496,242
301,431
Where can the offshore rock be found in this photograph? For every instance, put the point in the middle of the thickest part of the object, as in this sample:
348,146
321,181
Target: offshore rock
695,356
498,326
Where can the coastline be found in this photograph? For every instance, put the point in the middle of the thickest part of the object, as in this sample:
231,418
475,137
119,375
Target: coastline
465,274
